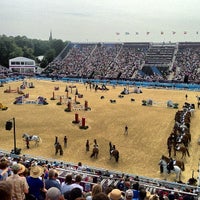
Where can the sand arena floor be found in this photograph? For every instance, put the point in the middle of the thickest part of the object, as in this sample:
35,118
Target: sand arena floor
140,150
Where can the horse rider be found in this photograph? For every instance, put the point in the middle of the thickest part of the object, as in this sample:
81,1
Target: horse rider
56,140
170,165
112,149
95,144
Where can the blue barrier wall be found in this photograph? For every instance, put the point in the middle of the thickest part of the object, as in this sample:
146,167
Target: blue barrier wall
182,86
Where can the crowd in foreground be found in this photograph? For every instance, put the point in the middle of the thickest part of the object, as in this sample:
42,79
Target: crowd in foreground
23,179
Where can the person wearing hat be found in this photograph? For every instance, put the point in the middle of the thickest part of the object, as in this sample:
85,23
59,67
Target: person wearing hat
115,194
35,182
17,182
22,173
54,193
129,194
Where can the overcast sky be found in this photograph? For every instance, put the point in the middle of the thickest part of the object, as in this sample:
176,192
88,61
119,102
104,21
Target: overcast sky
100,20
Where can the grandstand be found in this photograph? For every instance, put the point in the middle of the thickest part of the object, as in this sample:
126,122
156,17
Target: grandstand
125,62
163,62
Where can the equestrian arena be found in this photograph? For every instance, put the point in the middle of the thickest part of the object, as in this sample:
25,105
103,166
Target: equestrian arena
140,150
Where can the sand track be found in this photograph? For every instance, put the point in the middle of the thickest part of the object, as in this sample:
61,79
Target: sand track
140,150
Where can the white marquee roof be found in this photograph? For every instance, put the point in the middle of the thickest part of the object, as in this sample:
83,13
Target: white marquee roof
21,59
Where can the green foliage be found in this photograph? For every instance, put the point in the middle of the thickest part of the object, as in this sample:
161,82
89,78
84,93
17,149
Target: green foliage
50,55
57,45
18,46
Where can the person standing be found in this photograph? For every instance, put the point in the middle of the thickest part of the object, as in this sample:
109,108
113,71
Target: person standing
35,182
51,181
17,182
27,143
126,130
87,146
65,141
186,96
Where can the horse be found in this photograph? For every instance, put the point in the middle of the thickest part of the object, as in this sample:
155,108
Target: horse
95,152
58,148
182,149
35,138
184,139
179,163
176,170
113,152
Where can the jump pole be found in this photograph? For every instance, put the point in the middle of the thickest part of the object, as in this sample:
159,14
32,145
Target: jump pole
83,122
86,105
76,118
83,126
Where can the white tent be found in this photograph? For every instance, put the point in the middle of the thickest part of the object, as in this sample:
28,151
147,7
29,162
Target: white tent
22,65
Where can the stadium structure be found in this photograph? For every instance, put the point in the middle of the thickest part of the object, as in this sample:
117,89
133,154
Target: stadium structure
154,64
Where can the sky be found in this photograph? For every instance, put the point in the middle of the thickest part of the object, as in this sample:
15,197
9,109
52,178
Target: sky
102,20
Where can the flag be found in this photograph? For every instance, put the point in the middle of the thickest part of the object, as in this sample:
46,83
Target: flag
148,33
161,32
127,33
117,33
136,33
185,32
173,32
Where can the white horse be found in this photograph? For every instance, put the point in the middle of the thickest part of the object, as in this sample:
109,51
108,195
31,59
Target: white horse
35,138
176,170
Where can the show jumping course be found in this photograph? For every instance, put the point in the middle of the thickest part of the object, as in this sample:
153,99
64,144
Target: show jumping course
139,151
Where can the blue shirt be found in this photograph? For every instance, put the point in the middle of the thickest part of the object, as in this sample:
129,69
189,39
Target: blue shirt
52,183
35,186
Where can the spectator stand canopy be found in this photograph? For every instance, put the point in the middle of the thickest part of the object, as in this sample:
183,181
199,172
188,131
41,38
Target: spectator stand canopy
22,65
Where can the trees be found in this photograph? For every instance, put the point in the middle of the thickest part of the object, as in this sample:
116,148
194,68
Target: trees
11,47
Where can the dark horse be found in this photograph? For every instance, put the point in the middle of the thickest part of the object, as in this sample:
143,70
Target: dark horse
113,152
95,152
182,149
58,148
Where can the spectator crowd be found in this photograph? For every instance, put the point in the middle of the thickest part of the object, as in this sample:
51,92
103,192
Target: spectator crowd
129,61
23,178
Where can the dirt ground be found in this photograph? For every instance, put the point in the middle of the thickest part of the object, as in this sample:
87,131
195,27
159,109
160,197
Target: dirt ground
140,150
